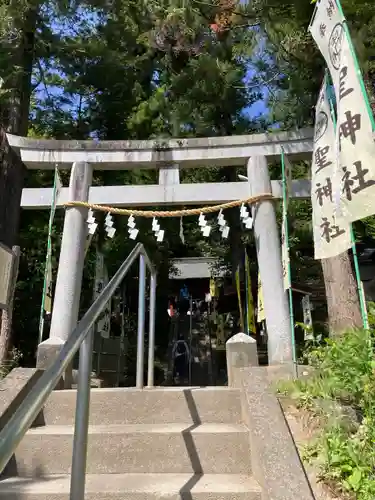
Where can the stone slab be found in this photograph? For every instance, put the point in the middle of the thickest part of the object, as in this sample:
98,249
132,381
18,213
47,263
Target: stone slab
241,352
118,449
47,352
14,388
148,406
275,459
137,487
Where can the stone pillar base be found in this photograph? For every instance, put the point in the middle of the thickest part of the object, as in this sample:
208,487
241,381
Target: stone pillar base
241,352
47,353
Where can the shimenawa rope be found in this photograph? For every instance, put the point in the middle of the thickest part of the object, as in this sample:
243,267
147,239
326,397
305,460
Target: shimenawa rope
172,213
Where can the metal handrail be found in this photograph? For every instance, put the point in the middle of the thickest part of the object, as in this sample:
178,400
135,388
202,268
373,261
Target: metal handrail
81,337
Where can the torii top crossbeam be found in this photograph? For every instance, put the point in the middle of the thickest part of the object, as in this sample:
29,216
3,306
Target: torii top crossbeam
168,156
119,155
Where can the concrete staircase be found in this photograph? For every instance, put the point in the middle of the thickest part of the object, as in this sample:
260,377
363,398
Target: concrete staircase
170,443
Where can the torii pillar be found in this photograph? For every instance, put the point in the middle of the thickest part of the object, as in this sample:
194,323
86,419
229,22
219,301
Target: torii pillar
268,248
69,275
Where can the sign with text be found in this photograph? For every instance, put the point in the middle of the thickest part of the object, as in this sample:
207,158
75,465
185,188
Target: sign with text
6,275
331,237
354,177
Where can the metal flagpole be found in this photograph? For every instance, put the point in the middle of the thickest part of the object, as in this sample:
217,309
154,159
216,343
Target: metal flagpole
361,294
286,243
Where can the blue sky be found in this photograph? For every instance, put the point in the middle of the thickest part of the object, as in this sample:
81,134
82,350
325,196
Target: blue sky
257,109
68,25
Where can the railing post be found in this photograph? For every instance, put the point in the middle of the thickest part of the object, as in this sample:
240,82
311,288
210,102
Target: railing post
78,476
151,334
141,322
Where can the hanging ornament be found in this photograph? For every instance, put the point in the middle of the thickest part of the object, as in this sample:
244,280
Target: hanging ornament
245,216
159,233
182,237
109,229
205,228
91,222
223,226
132,230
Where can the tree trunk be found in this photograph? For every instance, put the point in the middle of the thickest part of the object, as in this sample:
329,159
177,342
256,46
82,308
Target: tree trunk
12,174
16,116
12,171
343,306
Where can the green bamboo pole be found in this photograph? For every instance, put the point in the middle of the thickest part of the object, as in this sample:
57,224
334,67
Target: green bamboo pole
48,257
290,291
361,295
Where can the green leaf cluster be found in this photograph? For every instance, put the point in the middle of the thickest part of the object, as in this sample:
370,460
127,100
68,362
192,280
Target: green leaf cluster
340,393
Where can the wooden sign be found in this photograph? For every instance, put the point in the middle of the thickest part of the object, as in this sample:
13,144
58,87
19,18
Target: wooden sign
6,273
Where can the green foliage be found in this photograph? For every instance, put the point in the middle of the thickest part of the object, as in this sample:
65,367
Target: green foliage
13,361
341,393
371,314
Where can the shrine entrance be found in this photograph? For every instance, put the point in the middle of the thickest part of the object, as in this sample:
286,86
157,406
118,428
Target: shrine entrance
168,156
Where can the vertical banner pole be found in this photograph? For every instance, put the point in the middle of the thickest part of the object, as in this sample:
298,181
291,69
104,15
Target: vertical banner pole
361,294
48,256
286,243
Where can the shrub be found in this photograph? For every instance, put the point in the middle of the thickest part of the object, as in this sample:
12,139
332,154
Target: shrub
13,361
342,392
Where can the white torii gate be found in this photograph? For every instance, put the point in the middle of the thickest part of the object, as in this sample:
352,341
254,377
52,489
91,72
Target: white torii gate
169,156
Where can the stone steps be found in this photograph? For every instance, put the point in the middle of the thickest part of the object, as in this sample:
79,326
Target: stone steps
136,487
148,406
151,444
117,449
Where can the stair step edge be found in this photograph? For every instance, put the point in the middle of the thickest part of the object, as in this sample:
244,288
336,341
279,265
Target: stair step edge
172,428
134,483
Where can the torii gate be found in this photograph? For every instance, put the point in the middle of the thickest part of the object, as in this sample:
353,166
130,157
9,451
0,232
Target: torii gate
82,157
